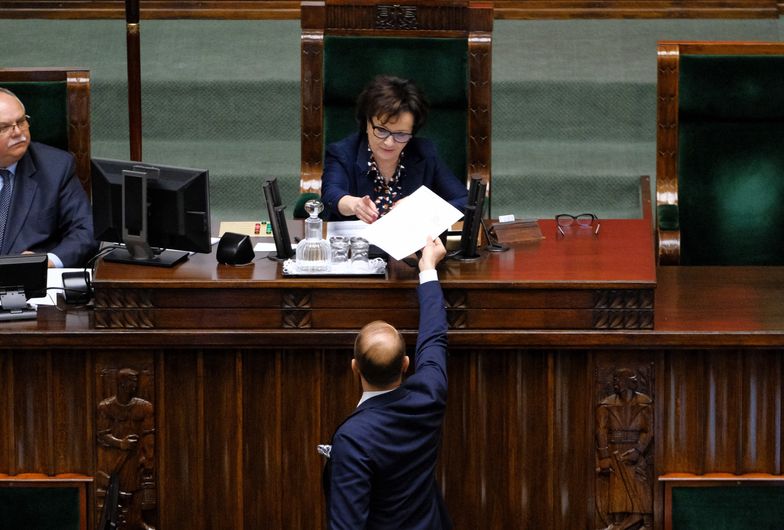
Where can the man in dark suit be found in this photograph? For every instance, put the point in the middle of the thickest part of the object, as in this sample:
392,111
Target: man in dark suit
43,207
381,467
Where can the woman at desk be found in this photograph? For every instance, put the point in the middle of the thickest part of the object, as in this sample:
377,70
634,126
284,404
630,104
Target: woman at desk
366,173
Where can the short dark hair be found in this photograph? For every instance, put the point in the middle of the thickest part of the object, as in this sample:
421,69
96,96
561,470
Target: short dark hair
379,361
389,96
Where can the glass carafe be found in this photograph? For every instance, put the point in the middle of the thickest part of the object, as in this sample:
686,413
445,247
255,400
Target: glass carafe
313,252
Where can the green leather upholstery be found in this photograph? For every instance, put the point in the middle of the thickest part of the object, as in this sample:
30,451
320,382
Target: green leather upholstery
730,160
743,507
438,66
47,104
54,508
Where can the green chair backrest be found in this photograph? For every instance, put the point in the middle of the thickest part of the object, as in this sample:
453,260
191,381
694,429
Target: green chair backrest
744,507
47,104
437,65
731,159
42,508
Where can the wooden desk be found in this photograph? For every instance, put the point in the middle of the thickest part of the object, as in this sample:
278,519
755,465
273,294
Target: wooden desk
238,412
574,282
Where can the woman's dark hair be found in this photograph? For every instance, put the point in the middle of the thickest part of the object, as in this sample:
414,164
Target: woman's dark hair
390,96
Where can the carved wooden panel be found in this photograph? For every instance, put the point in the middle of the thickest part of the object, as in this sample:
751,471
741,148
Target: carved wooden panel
623,309
124,438
624,427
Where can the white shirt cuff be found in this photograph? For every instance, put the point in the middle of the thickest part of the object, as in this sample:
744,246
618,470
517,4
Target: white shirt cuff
429,275
54,259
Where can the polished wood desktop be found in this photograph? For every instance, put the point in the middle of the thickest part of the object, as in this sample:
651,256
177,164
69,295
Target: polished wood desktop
240,396
580,280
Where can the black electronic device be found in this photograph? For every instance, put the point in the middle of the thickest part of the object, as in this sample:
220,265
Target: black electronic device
152,209
235,249
472,222
22,277
280,230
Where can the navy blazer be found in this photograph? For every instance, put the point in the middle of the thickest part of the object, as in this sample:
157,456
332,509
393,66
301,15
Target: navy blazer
346,166
49,208
381,470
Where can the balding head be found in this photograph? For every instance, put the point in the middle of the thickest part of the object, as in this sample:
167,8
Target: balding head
379,352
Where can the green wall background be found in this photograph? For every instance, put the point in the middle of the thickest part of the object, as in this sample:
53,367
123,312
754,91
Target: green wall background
574,102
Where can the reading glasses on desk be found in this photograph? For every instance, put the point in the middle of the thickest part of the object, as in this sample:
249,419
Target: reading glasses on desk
564,222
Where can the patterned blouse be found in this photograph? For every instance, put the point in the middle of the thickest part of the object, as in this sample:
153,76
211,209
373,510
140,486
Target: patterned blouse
387,193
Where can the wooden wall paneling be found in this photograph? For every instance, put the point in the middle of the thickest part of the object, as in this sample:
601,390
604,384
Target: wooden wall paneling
31,401
459,472
723,418
72,398
761,404
262,439
222,393
520,389
573,441
681,412
181,451
301,491
7,428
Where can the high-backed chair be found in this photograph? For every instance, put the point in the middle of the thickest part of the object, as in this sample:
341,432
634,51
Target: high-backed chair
58,102
444,46
720,153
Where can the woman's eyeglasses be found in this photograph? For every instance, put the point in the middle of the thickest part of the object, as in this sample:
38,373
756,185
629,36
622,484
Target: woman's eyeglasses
383,134
584,221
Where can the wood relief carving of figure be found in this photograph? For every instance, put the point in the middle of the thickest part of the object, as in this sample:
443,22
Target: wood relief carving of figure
126,449
624,430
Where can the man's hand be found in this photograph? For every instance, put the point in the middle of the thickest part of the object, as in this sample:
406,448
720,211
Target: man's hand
432,254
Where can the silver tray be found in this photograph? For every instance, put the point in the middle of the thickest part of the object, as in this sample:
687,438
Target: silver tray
375,267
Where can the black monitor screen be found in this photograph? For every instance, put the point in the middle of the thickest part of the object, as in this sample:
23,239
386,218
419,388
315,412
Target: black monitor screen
21,278
176,201
24,272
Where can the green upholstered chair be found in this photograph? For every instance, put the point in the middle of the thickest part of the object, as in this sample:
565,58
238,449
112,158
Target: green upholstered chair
720,153
58,102
444,46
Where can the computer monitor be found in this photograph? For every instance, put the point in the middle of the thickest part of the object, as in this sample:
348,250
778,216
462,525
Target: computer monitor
161,213
280,230
21,277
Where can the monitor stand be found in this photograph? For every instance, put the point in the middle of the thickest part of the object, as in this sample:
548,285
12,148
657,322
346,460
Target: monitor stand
164,258
15,307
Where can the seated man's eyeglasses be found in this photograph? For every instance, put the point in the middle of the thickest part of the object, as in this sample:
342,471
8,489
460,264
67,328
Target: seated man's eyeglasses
22,123
583,221
382,134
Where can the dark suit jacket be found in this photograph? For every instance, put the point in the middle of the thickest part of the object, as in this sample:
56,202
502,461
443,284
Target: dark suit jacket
381,472
49,209
346,165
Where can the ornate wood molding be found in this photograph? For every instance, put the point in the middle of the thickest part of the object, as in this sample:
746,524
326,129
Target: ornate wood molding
290,9
667,146
623,309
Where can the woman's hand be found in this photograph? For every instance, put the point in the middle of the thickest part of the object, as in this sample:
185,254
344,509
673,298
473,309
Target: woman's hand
363,207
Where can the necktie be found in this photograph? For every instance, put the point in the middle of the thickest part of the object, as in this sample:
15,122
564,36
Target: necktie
5,201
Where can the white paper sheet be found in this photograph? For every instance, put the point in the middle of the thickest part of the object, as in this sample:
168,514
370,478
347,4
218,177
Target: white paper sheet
346,228
405,229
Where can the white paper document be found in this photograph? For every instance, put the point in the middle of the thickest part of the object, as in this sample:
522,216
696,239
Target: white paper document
405,229
346,228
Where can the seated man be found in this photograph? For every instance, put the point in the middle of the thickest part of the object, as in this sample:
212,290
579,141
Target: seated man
43,207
